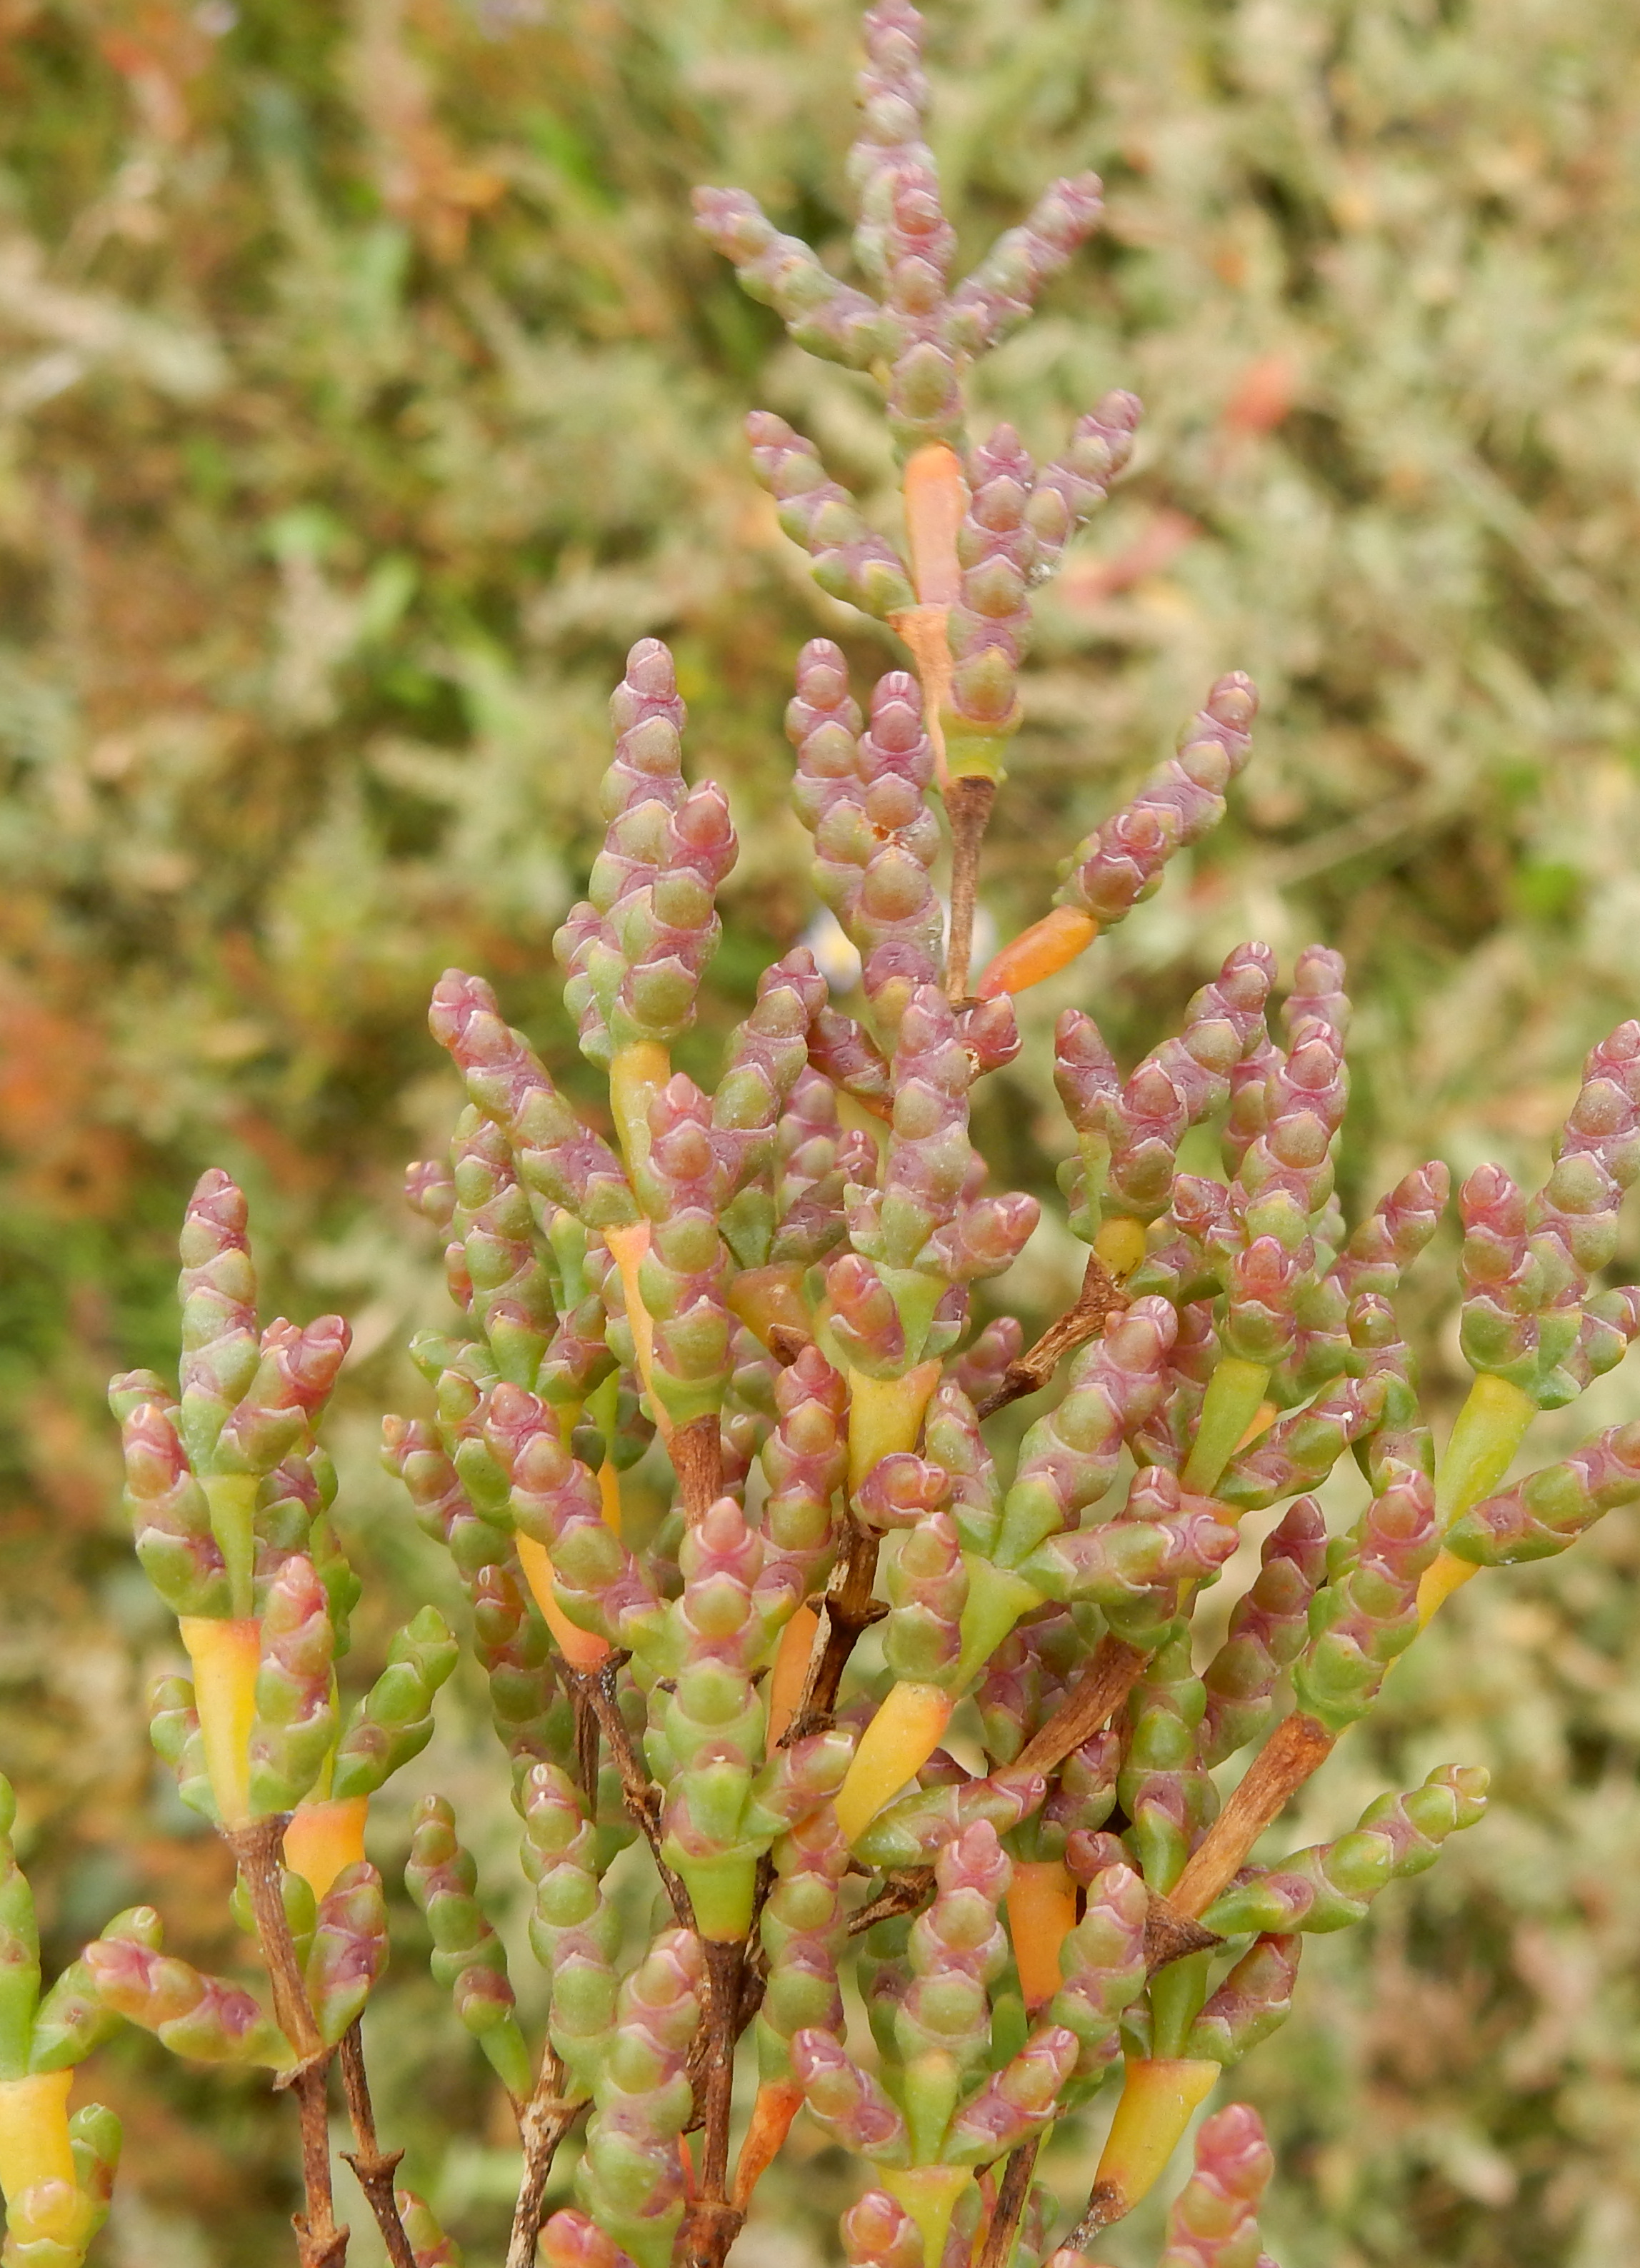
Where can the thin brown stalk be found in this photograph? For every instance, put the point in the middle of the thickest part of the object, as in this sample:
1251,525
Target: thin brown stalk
1296,1748
542,2124
713,2222
697,1454
373,2166
907,1887
641,1796
1104,2209
848,1610
968,804
1011,2205
1098,1694
586,1733
1097,1300
259,1848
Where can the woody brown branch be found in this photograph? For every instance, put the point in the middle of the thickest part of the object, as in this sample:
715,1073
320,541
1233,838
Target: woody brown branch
542,2124
259,1848
638,1792
1011,2197
1296,1748
1098,1694
697,1454
373,2167
1097,1300
848,1608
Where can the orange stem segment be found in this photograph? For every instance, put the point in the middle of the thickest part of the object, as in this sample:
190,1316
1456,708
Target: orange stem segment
936,497
1041,1915
582,1649
324,1839
923,629
1038,952
1261,1422
628,1245
790,1673
778,2102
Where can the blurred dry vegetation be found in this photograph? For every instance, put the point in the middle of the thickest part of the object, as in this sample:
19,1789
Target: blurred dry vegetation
364,391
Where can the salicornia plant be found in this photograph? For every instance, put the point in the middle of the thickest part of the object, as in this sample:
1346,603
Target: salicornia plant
762,1297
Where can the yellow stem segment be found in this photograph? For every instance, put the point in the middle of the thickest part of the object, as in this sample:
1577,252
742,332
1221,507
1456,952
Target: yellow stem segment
885,1416
1488,1434
226,1655
324,1839
609,1494
763,1297
893,1749
637,1075
1039,952
1159,2099
1120,1244
628,1246
929,2195
790,1674
1041,1915
34,2133
582,1649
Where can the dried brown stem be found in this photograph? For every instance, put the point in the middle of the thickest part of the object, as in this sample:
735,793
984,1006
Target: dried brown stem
712,2223
1104,2209
1170,1936
642,1797
1010,2205
258,1847
697,1454
907,1887
542,2124
848,1610
1295,1749
710,2228
1098,1694
1099,1300
587,1732
968,805
786,1342
373,2166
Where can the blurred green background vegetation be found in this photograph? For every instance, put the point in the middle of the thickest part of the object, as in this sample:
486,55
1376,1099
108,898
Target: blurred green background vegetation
365,391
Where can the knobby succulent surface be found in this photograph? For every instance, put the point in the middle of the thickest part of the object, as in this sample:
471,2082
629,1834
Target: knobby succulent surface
762,1297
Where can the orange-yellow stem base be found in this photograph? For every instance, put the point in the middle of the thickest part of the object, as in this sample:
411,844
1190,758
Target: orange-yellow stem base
1039,952
893,1749
1041,1915
581,1649
324,1839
